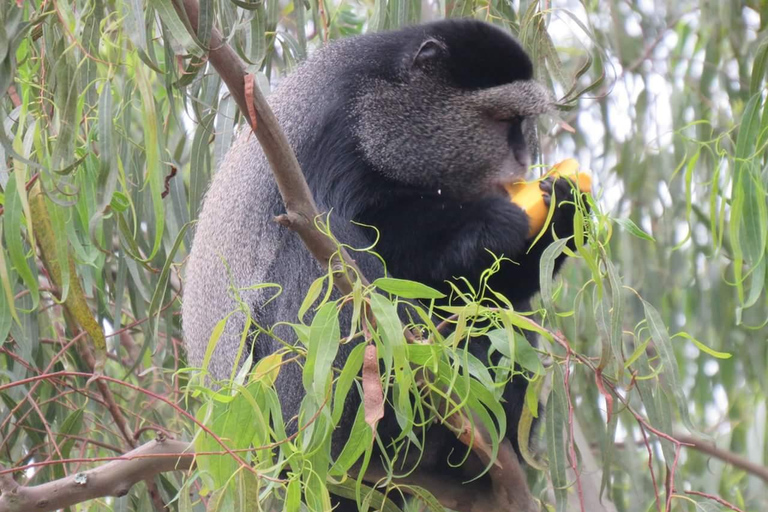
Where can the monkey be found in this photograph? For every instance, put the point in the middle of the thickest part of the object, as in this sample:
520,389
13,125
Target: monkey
413,132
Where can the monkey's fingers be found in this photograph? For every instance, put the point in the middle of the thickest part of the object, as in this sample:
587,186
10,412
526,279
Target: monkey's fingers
546,186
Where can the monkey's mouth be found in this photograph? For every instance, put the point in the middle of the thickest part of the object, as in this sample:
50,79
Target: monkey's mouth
511,171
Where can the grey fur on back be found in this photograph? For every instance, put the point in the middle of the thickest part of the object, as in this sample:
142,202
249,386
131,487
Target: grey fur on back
237,224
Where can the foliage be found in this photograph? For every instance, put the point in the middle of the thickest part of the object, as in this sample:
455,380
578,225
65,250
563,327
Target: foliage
113,124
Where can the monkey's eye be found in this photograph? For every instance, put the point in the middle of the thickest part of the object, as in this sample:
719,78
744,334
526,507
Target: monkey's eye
514,120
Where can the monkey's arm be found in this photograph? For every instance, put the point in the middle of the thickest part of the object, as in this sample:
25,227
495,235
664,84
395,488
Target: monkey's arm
561,223
433,239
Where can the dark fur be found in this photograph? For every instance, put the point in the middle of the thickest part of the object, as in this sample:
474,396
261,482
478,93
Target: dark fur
378,145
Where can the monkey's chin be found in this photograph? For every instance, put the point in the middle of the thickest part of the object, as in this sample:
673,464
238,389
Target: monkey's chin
500,186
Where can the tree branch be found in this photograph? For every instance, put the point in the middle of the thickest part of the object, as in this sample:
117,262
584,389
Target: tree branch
114,478
300,206
726,456
451,491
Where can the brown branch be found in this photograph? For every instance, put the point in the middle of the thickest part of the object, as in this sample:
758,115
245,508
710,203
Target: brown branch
14,95
454,492
114,478
301,210
715,498
726,456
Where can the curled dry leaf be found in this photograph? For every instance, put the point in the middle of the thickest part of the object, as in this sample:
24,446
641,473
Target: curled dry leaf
608,397
373,394
250,83
567,127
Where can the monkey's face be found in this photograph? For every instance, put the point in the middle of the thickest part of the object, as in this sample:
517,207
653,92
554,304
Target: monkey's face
453,120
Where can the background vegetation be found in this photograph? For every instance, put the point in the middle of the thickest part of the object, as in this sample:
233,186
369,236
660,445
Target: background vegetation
112,124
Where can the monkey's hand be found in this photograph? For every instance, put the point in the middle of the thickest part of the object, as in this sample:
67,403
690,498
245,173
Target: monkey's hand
565,204
535,197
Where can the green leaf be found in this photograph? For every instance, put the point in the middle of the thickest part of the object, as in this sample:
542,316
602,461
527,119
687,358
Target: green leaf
234,422
556,420
634,229
671,381
393,342
178,27
508,341
748,209
351,370
616,313
213,340
547,267
7,306
71,426
324,338
360,439
162,283
426,498
312,294
407,289
12,225
758,69
376,499
293,496
526,356
152,150
608,448
703,347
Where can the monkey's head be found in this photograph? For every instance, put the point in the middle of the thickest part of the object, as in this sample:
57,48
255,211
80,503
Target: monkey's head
450,105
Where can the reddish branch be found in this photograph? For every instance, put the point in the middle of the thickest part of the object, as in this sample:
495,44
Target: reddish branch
650,468
168,178
678,441
715,498
104,379
14,95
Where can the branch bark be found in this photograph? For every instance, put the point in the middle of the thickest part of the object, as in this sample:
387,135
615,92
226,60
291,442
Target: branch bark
454,492
114,478
726,456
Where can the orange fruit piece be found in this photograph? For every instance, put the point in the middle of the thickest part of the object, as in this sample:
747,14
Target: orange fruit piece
528,196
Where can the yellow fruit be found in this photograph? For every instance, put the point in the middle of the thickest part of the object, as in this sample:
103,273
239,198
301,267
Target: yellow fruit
528,196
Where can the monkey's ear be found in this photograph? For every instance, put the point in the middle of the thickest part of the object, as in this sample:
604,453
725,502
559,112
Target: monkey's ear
430,50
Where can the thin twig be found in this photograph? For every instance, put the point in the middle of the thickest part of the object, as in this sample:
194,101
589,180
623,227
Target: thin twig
715,498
